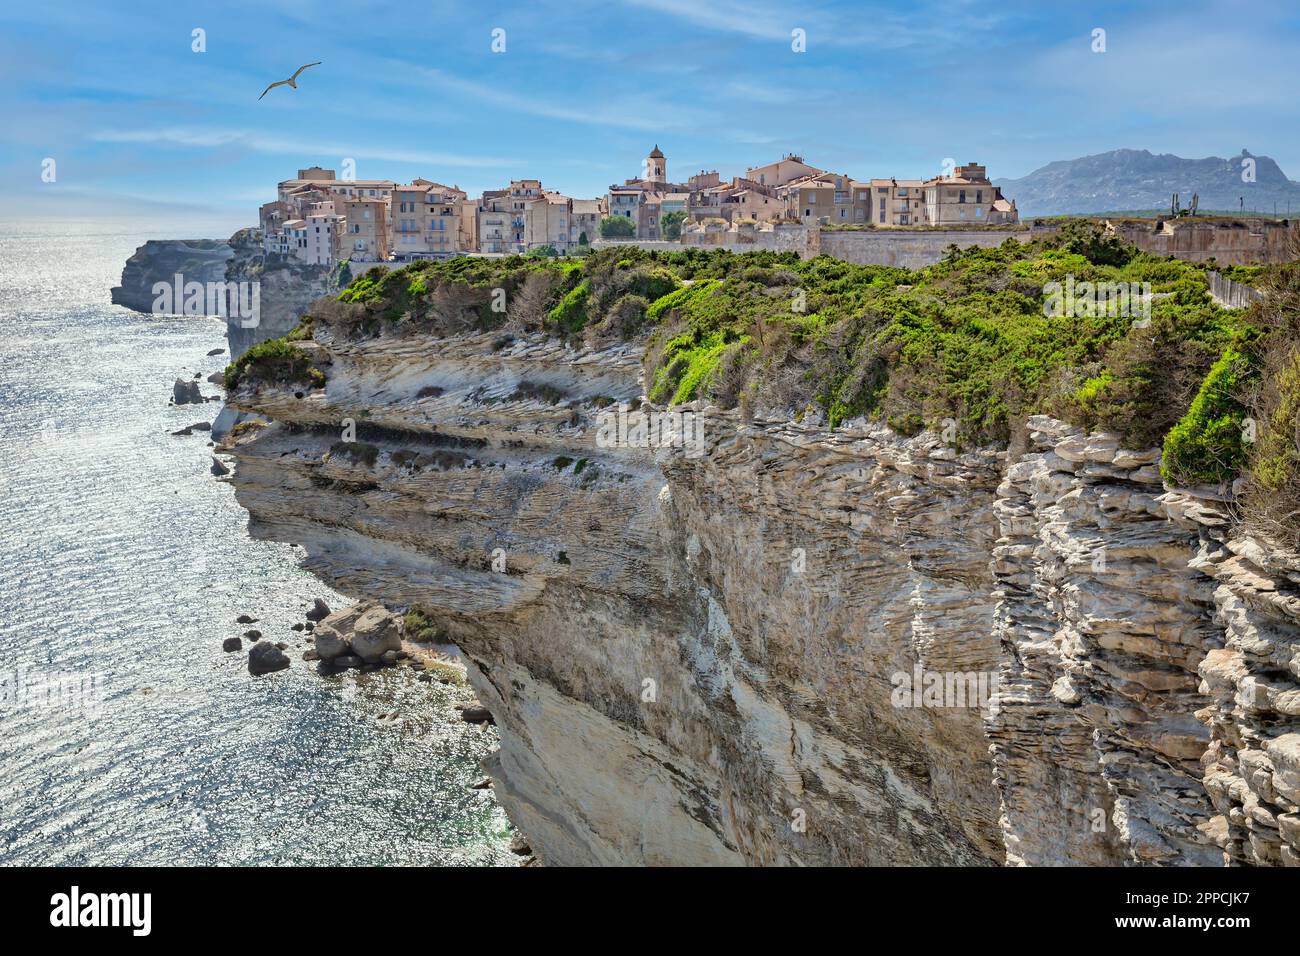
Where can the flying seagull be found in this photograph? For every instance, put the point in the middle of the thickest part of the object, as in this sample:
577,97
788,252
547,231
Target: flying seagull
290,80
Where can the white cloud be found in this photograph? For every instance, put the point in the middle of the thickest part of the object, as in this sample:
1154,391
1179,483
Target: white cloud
291,146
639,112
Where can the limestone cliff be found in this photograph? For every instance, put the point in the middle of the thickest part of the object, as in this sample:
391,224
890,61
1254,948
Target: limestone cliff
160,260
286,289
698,658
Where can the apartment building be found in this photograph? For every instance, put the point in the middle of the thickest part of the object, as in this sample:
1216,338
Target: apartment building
898,202
325,230
810,199
585,221
967,196
366,238
785,170
425,220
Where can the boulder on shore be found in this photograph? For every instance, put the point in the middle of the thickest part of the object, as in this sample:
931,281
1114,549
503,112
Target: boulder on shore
319,611
376,631
232,644
219,469
265,658
368,631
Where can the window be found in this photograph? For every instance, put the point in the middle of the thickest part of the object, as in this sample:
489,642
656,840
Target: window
961,197
979,212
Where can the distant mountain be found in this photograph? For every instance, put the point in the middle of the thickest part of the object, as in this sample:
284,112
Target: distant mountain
1132,179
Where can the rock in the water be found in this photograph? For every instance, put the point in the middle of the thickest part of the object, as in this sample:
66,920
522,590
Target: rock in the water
475,713
253,634
310,627
266,658
245,619
219,469
212,352
202,426
319,611
187,430
484,784
186,392
310,655
296,627
217,378
232,644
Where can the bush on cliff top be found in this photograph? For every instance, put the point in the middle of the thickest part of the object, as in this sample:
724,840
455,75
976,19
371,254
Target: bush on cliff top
276,361
965,340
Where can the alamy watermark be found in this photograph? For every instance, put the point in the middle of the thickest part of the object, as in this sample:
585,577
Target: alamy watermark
235,300
943,689
27,689
623,428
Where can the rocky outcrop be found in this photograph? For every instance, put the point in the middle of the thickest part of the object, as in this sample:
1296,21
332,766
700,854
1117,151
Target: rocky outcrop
1094,735
161,260
793,645
286,289
1251,685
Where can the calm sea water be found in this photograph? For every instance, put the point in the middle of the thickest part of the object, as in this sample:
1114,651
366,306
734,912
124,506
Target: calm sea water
123,564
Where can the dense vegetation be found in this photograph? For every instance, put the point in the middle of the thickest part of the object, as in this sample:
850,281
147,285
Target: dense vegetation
964,342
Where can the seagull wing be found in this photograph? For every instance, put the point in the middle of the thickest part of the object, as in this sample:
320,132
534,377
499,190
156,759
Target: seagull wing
273,86
301,68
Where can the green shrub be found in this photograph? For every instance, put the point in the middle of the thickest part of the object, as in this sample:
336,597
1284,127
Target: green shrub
1206,446
276,362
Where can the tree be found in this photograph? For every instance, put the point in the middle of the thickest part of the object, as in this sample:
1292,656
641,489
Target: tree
671,224
344,277
617,227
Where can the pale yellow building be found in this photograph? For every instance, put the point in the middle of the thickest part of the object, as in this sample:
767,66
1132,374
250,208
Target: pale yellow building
366,230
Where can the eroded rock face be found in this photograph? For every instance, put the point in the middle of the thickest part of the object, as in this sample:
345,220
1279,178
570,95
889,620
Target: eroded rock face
719,658
161,260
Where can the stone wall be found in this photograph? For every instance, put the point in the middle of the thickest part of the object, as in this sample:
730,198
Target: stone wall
1228,241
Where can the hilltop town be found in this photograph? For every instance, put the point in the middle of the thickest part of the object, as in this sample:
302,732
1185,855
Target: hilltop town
320,219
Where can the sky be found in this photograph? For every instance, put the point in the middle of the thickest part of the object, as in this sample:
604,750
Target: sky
576,93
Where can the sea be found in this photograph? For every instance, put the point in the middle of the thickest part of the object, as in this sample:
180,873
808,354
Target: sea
127,736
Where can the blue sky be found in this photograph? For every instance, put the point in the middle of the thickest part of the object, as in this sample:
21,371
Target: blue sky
136,120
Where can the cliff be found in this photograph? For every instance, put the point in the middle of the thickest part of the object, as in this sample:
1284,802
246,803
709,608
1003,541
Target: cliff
160,260
696,658
286,288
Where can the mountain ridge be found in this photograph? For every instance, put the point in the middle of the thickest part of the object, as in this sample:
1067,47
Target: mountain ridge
1133,179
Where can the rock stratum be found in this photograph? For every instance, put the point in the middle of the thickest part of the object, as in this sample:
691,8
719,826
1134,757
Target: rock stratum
697,658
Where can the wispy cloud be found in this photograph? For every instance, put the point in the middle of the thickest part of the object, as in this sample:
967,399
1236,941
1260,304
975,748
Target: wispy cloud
291,146
643,113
